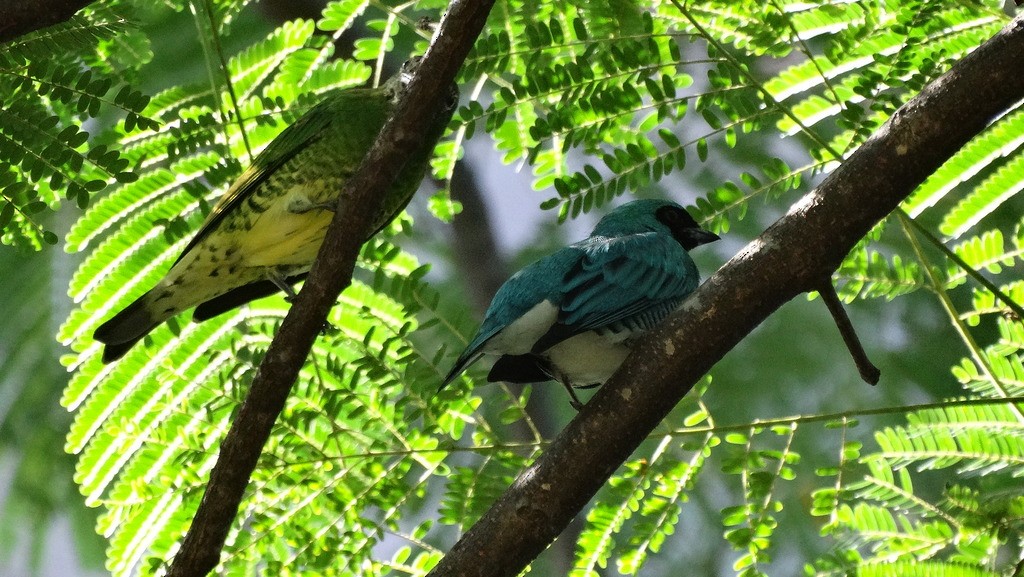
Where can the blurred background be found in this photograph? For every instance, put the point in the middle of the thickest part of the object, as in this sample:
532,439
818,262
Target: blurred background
794,363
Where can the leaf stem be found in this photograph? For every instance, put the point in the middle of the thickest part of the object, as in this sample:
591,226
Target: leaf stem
970,271
940,290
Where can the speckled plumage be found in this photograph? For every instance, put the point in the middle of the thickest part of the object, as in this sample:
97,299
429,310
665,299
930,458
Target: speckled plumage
264,233
571,315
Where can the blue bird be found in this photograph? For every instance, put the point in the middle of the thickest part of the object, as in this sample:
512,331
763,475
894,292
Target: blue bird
571,315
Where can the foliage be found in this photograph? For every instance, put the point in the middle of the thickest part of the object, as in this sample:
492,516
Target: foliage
597,99
53,82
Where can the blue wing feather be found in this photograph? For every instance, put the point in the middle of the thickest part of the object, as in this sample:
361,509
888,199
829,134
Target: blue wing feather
601,283
626,277
626,282
540,281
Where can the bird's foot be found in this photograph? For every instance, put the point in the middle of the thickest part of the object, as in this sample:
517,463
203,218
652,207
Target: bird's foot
573,399
290,295
282,283
427,24
302,205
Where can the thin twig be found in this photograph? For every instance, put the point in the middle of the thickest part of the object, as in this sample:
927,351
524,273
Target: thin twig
868,371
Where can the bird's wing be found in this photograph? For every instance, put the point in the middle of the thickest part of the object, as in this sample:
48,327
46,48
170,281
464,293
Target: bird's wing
283,148
636,279
520,304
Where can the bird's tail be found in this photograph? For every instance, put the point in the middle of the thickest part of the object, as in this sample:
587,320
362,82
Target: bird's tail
126,328
465,359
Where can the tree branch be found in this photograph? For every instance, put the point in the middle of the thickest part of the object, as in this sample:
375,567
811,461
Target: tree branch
19,18
868,371
331,273
787,259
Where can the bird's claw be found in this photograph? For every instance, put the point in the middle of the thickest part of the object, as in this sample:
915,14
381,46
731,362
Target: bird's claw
427,24
573,399
302,205
282,284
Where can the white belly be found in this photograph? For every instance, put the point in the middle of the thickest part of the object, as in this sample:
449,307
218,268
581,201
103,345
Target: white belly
587,359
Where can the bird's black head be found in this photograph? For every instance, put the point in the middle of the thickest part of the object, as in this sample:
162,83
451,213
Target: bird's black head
684,229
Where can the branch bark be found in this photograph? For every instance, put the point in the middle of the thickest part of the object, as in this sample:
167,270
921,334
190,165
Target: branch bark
331,273
21,17
789,258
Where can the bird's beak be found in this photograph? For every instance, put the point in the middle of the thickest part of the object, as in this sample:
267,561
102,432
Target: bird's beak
699,236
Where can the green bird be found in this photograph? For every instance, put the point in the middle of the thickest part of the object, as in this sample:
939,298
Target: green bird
264,233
